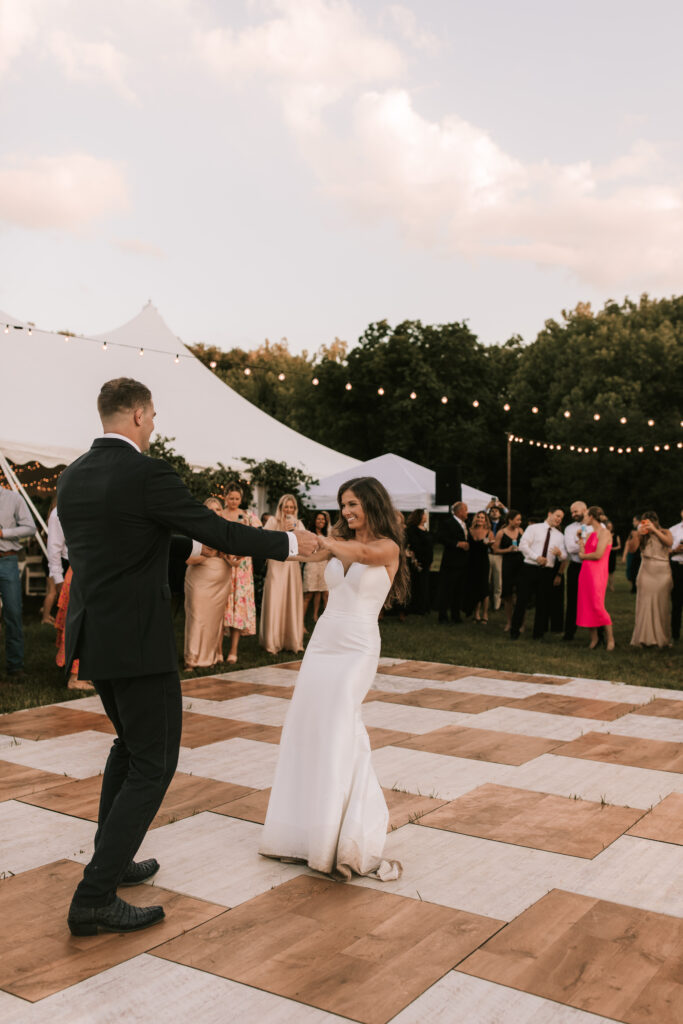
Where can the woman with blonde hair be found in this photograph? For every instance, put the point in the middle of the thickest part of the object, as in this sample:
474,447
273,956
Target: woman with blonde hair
240,611
282,609
207,582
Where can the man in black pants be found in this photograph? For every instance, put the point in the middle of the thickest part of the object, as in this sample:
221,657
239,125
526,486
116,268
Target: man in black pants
118,510
677,573
453,571
542,546
577,511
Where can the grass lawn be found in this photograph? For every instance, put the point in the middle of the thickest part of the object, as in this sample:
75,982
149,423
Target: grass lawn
419,638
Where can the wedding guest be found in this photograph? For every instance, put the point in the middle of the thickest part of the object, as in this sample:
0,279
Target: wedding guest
631,555
594,550
420,543
677,578
315,588
542,545
282,610
477,587
453,569
15,522
240,611
57,559
577,511
496,518
506,546
654,584
207,583
61,574
616,547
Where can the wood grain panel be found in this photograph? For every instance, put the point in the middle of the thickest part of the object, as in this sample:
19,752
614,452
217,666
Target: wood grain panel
50,721
448,700
576,707
657,755
663,707
664,822
17,780
482,744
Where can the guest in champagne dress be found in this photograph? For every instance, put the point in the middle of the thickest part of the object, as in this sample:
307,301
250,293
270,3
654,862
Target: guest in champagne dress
594,552
654,583
315,587
326,806
240,611
207,582
282,610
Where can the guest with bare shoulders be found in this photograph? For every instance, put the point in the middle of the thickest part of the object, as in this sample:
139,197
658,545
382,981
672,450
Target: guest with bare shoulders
240,611
654,583
315,588
506,544
207,582
282,610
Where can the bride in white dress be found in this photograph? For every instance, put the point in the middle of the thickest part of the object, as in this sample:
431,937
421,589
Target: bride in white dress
326,806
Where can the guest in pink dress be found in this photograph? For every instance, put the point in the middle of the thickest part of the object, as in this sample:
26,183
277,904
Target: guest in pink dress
594,552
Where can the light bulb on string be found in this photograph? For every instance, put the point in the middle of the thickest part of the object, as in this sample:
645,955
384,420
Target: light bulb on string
213,364
595,448
6,328
475,403
141,352
611,447
281,376
506,407
641,449
571,447
620,451
680,444
413,395
579,449
667,447
380,391
534,409
545,444
596,416
247,371
566,414
444,400
628,451
177,359
623,420
558,447
348,385
656,448
315,382
104,346
650,423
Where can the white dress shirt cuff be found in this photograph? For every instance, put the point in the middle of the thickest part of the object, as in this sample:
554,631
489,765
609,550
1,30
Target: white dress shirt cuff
293,544
196,549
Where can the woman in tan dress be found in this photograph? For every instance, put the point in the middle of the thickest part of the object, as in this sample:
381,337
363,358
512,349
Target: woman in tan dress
282,611
315,587
653,584
207,583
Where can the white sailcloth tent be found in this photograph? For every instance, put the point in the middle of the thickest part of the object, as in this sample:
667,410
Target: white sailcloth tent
409,484
48,409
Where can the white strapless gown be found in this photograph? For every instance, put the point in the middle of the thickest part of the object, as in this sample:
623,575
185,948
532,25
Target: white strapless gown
326,806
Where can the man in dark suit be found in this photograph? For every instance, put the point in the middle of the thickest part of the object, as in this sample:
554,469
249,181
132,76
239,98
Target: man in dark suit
453,571
118,509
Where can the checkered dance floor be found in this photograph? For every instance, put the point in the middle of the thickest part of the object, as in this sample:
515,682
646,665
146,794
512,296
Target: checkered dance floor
539,821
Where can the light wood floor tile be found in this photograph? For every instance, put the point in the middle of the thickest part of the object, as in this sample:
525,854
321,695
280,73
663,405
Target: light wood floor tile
268,675
16,780
436,775
577,707
603,690
650,727
93,704
536,723
47,722
42,957
482,745
409,719
30,836
595,780
335,947
214,857
243,761
447,700
461,999
78,756
260,708
187,795
477,875
148,990
628,750
615,960
639,872
664,822
541,821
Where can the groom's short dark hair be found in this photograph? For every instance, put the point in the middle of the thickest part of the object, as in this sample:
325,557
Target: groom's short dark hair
121,395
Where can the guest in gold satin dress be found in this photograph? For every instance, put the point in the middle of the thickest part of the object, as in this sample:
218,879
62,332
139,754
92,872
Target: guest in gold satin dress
654,583
282,611
207,583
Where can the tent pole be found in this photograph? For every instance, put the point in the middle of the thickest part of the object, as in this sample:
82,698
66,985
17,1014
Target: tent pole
16,485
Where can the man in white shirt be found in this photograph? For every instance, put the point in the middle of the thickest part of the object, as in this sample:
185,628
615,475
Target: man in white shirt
15,522
677,573
577,511
542,546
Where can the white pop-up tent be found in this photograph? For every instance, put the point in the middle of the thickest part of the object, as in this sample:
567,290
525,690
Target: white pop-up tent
409,484
50,385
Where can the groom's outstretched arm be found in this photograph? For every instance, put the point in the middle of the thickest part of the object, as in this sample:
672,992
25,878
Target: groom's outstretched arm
168,501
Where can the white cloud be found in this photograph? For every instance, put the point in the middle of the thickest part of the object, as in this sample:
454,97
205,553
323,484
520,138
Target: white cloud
18,28
85,61
65,192
140,247
406,22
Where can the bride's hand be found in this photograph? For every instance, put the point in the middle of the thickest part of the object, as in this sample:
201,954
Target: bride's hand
323,542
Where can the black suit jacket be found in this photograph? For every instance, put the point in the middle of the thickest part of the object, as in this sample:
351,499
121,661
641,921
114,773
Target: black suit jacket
118,509
451,533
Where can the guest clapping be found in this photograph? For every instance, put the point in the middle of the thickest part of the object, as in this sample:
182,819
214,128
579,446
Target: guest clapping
654,583
207,583
595,544
282,610
421,545
315,588
240,611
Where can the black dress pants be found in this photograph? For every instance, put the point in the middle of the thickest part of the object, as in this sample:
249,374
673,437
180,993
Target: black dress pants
146,712
536,581
676,599
451,592
573,570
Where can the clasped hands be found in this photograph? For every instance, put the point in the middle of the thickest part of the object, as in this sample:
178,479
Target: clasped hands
308,542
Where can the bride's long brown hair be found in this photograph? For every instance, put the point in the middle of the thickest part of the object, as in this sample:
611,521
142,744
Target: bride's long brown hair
384,521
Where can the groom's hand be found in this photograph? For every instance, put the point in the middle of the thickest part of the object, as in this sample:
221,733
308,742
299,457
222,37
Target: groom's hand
307,541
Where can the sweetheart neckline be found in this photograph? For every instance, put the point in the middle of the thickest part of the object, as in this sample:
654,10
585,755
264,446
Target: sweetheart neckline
347,571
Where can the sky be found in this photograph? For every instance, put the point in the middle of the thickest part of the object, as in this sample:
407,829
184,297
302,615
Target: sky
301,168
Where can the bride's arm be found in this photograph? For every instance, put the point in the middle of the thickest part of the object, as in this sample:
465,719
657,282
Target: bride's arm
376,552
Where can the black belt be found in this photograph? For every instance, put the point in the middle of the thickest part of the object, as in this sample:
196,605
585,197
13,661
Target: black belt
8,554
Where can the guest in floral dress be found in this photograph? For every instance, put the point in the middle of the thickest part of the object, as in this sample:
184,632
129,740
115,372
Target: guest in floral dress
314,572
240,612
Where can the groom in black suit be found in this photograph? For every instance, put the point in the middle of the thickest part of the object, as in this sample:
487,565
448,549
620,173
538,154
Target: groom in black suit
118,509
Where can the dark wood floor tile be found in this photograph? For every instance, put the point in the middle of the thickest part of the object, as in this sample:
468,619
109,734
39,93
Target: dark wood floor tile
39,956
664,822
345,949
292,666
51,721
577,828
482,744
449,700
386,737
427,670
208,688
616,961
17,780
658,755
663,707
576,707
200,730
